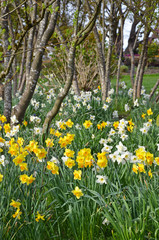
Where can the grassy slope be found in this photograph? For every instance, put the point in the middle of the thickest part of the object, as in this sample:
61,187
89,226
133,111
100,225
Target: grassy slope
149,81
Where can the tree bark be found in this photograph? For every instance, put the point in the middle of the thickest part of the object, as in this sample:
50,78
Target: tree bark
131,46
7,53
153,90
101,58
110,48
51,114
120,54
141,66
35,69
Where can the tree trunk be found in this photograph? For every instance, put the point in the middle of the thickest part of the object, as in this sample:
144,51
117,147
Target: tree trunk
63,93
110,48
132,68
131,46
141,66
120,54
21,73
153,90
7,53
75,80
35,69
30,39
101,58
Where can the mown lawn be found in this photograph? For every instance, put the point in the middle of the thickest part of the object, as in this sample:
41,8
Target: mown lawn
149,81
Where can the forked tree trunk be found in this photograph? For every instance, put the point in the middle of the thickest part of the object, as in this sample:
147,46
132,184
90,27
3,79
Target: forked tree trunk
35,68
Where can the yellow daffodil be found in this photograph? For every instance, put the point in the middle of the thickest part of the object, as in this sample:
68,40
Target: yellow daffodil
149,112
39,216
17,214
87,124
77,192
135,168
53,167
1,177
77,174
15,204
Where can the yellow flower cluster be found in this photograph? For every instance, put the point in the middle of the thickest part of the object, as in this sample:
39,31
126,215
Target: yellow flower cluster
144,156
149,113
102,160
3,118
77,174
130,127
141,168
26,179
39,152
66,140
84,158
7,128
17,206
68,124
53,167
49,142
102,125
70,163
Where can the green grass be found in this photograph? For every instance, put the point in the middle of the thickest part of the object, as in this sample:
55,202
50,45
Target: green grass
149,81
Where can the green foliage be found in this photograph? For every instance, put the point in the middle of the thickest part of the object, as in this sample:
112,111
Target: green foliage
125,207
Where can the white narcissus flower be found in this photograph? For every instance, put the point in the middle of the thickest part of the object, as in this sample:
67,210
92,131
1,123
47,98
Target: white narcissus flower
121,148
144,130
89,107
37,130
115,114
105,221
136,104
106,148
64,159
14,119
101,179
3,161
126,108
105,107
93,136
54,160
92,117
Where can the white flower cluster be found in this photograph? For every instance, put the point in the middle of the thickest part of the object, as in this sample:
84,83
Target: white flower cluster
3,161
146,127
35,104
35,119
